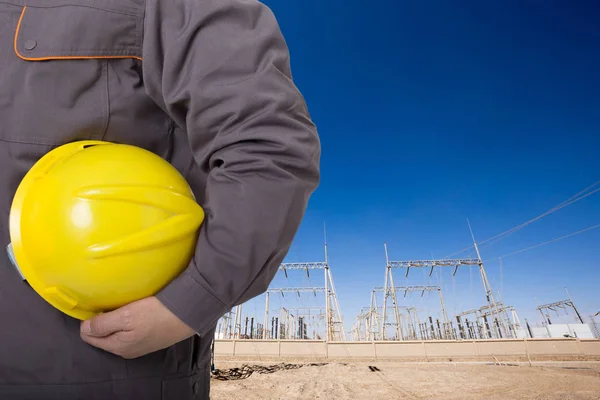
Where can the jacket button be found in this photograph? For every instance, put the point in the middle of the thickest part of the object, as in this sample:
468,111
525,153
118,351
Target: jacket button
30,44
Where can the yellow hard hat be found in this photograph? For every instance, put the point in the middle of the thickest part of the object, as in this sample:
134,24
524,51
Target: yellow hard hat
96,225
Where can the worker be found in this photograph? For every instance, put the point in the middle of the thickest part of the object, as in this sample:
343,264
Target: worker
207,86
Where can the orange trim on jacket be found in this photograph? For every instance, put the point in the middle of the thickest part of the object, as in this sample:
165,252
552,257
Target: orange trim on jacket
57,57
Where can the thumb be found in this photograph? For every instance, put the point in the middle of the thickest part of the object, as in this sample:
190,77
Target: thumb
105,324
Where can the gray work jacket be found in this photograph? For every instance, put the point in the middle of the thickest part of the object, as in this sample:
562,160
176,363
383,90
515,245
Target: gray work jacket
206,84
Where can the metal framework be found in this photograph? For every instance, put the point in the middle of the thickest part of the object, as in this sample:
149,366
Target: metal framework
299,328
563,305
361,329
333,315
289,323
224,327
433,263
292,323
412,316
302,266
230,324
296,290
485,320
411,313
237,326
390,291
366,327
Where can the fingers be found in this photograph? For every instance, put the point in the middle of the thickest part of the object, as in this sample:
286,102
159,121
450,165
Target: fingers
119,344
110,343
106,324
136,329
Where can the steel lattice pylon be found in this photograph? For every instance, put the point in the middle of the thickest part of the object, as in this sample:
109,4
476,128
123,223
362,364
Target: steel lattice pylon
563,304
510,327
230,325
333,315
390,289
376,330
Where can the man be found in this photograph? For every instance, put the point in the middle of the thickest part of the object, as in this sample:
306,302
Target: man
207,85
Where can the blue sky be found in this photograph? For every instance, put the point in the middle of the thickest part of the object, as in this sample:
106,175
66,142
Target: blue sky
434,112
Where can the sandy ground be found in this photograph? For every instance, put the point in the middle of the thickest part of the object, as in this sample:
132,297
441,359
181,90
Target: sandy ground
356,381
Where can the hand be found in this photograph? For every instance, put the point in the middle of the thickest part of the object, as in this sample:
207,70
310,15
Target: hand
136,329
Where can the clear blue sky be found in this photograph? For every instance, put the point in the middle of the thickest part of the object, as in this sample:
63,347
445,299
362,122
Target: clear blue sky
431,112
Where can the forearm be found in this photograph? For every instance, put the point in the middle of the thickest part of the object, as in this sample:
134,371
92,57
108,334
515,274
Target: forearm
226,80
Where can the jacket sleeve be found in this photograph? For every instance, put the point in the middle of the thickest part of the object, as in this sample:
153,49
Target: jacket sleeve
220,69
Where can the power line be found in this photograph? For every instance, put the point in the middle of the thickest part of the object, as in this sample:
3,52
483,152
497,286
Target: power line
567,202
583,191
552,210
550,241
458,252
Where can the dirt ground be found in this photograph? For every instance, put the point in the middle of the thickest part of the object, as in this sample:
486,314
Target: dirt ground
357,381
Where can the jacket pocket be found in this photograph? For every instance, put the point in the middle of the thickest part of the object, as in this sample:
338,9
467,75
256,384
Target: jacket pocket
54,87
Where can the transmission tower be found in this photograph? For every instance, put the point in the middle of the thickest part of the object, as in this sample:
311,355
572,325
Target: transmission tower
411,314
491,328
361,328
237,326
374,327
230,324
390,291
563,305
225,326
333,316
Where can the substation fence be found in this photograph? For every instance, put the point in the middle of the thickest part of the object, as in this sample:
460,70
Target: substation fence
487,350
